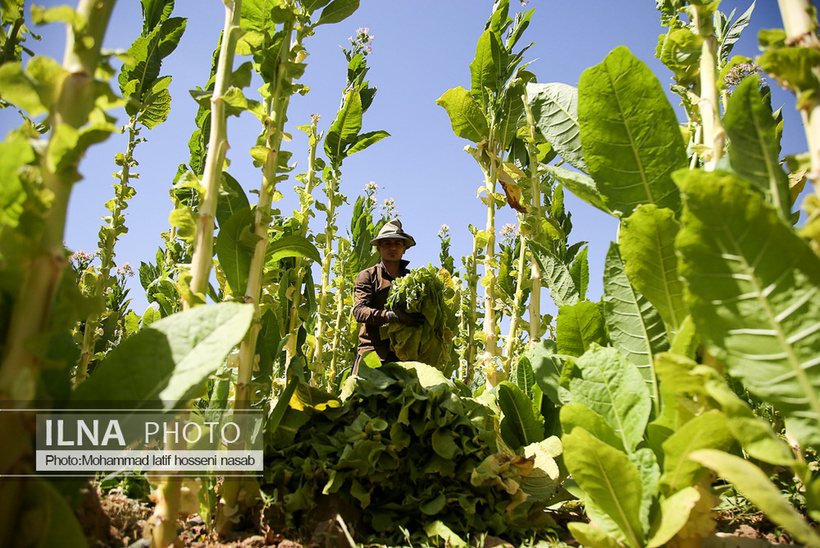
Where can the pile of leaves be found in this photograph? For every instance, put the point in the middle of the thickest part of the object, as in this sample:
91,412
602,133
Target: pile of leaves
423,291
407,451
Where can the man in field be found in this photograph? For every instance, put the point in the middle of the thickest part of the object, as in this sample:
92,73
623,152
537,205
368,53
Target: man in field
371,290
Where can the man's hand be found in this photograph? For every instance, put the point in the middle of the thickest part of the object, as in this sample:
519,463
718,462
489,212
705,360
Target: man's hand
413,320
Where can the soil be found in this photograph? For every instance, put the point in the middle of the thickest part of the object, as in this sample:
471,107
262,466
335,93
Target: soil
114,520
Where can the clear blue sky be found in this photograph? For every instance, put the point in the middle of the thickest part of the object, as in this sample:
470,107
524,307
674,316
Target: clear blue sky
421,49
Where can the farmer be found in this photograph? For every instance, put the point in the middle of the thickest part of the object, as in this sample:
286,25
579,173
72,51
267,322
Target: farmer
371,289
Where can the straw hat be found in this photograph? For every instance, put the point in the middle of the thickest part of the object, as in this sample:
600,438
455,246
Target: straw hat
393,229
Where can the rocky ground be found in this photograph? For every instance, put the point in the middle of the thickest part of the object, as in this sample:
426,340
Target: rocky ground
114,520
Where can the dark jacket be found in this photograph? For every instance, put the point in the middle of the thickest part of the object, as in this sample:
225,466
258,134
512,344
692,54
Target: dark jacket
369,297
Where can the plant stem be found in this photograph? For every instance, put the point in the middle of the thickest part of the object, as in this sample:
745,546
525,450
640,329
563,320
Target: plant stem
714,136
515,316
535,211
490,345
327,260
472,307
801,31
202,260
19,370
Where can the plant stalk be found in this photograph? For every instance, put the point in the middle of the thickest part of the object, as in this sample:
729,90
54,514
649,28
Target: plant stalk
202,260
517,300
19,369
491,339
327,260
714,135
535,211
801,30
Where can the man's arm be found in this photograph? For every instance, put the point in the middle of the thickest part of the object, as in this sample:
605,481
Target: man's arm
364,291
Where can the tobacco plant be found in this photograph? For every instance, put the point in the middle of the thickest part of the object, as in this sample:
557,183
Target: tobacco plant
707,269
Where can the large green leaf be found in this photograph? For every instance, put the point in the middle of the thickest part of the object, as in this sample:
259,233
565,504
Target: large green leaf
579,326
466,117
647,242
485,68
755,485
555,109
574,416
631,138
607,383
590,535
635,327
707,431
234,245
337,10
555,275
753,293
292,246
522,423
165,365
609,478
674,515
755,144
345,127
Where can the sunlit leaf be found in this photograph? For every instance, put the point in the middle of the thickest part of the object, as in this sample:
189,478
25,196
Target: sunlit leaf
752,291
555,109
630,135
466,116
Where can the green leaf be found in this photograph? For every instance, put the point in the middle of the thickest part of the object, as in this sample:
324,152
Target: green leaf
755,144
579,270
166,364
754,433
755,485
345,127
555,109
634,326
752,291
234,246
53,519
673,516
546,366
232,198
579,326
293,246
486,66
647,242
574,415
555,275
607,383
34,90
366,139
13,156
580,184
521,424
707,431
337,10
728,37
609,478
630,135
466,117
589,535
439,529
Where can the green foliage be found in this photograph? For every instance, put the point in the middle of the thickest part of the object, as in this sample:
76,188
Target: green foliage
406,449
422,291
166,364
629,133
751,285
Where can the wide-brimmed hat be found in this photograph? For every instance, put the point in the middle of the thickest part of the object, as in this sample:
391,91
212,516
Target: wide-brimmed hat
392,229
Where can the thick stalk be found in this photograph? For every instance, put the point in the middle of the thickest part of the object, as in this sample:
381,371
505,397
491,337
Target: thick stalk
535,211
800,29
490,345
278,103
202,260
337,331
327,260
19,370
714,136
164,521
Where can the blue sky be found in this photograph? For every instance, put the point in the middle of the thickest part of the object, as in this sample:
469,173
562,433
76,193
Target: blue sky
421,49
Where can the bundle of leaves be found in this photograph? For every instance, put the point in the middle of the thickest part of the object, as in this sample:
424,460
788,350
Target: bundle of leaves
405,450
422,291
